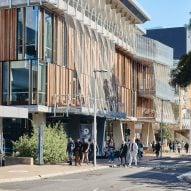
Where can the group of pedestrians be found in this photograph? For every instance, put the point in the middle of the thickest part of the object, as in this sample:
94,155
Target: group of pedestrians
129,151
83,152
173,147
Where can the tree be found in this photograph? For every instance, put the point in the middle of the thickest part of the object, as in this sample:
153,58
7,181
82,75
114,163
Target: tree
166,133
181,75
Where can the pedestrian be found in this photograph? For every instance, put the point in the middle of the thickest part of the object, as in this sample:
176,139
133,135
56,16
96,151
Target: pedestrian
91,151
174,147
153,146
133,151
140,149
111,150
170,146
85,151
77,152
69,150
157,149
186,146
179,147
123,153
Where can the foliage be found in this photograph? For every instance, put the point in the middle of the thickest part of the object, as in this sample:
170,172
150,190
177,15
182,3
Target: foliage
166,133
54,147
181,74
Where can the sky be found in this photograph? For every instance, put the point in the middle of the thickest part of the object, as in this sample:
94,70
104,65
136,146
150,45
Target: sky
166,13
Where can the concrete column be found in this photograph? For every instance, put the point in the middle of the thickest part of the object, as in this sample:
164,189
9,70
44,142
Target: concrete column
131,126
147,134
38,119
117,133
151,137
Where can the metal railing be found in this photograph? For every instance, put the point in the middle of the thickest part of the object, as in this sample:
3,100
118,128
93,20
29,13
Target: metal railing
80,102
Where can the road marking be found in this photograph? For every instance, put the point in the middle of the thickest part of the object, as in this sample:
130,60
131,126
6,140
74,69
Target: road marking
62,180
20,171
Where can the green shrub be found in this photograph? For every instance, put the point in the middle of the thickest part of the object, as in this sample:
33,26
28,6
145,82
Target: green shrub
54,146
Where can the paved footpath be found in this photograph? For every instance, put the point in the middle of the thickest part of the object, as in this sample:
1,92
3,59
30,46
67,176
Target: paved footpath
34,172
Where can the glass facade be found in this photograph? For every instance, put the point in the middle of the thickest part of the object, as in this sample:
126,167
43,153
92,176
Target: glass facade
31,32
24,82
42,83
27,33
48,36
24,79
19,82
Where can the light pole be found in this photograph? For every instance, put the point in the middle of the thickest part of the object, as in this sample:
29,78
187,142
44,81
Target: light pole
95,111
161,124
190,136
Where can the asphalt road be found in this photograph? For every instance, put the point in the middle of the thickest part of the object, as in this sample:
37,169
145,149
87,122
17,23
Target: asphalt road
158,175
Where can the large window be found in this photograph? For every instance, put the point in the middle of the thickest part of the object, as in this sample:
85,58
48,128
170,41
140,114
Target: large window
31,28
20,33
24,82
5,82
27,32
42,83
48,36
34,78
65,43
19,82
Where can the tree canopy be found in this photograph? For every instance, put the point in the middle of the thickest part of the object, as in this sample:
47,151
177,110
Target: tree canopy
181,75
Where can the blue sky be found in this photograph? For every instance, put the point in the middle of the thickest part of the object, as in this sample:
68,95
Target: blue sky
166,13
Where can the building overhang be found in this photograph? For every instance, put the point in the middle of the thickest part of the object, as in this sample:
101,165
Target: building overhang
130,9
146,119
13,112
37,108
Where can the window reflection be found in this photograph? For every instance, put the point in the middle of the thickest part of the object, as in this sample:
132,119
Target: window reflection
5,82
27,32
24,82
48,36
42,83
19,82
31,29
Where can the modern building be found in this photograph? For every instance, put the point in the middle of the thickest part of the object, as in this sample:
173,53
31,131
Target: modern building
51,56
179,38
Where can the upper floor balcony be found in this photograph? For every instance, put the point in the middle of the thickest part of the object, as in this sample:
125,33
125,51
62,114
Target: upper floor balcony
146,48
108,21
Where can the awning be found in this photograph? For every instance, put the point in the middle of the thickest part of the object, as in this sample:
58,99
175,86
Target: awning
13,112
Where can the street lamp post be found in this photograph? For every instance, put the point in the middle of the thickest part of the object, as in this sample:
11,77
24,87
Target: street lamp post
190,134
95,111
161,127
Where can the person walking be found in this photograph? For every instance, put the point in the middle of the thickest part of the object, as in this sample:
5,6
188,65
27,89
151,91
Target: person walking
69,150
77,152
186,146
85,151
140,149
179,147
133,151
123,153
111,149
157,149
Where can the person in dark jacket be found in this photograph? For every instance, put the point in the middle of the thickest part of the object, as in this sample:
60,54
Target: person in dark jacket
186,146
123,153
157,149
77,152
70,148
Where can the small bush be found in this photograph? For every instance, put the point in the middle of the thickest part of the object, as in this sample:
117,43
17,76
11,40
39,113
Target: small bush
54,146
